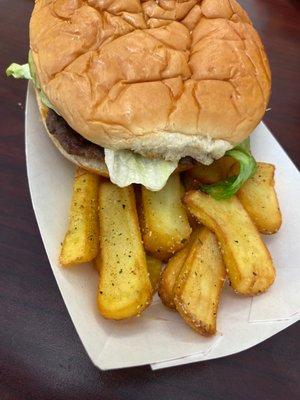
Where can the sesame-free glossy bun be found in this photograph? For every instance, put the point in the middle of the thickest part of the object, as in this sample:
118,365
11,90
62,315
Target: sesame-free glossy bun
163,78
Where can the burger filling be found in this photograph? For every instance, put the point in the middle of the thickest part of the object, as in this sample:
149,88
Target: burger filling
70,140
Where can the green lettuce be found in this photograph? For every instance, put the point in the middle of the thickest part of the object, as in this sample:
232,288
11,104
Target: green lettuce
245,145
32,69
227,188
126,167
19,71
46,101
28,71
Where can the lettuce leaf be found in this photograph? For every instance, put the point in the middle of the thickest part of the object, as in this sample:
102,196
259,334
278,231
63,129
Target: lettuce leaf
245,145
32,68
19,71
27,71
46,101
126,167
228,188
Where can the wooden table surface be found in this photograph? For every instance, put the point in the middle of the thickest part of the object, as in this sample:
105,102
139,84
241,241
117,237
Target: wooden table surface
41,355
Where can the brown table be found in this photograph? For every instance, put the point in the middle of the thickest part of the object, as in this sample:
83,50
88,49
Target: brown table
41,355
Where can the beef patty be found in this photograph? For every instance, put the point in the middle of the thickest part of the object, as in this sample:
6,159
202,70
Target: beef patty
70,140
73,143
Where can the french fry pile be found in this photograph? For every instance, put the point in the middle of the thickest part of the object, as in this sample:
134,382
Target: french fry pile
131,233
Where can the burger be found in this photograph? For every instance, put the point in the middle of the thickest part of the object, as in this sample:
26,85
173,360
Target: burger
134,90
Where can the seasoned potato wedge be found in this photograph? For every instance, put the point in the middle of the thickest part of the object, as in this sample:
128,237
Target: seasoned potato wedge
259,199
207,174
81,241
199,285
124,286
170,273
154,268
248,262
225,164
163,219
169,276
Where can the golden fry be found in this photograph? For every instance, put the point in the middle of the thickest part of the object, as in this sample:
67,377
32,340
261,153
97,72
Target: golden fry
248,262
154,269
81,241
225,164
259,199
170,273
164,221
205,173
199,285
124,286
169,276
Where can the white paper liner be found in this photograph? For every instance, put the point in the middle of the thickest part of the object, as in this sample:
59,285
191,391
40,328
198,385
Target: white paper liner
279,303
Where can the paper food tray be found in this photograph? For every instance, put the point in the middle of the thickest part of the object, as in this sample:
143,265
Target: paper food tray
159,337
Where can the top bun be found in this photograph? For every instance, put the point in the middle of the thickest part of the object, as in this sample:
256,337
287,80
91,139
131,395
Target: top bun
163,78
